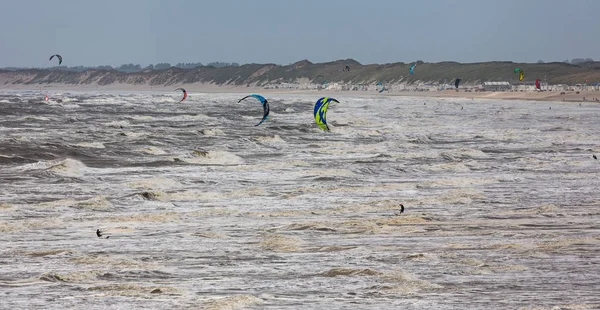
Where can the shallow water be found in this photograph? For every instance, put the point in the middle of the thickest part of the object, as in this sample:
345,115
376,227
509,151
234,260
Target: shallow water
205,210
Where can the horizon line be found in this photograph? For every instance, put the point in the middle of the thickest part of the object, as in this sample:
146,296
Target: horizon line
582,60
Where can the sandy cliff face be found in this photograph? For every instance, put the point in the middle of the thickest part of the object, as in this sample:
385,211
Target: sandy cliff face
261,74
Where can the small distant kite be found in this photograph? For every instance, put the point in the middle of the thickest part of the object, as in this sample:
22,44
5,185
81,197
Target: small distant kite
380,88
57,56
184,94
320,79
321,111
346,68
265,105
537,84
412,68
520,72
457,82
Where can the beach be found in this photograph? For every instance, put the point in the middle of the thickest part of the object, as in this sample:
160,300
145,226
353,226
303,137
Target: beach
309,89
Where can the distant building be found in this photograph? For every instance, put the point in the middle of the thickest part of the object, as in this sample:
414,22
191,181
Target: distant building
496,86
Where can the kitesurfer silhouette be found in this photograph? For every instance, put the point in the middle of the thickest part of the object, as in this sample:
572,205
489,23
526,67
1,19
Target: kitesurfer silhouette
401,210
99,234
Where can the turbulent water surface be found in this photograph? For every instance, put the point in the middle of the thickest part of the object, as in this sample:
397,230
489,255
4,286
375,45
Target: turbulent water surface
206,210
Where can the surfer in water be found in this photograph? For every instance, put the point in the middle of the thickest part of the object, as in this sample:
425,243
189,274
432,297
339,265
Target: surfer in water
99,234
401,209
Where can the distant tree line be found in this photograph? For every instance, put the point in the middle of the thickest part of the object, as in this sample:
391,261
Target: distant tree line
576,61
219,64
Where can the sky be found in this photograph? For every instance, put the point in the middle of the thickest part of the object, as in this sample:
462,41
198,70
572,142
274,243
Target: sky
114,32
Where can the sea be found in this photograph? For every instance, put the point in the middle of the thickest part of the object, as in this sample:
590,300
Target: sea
198,208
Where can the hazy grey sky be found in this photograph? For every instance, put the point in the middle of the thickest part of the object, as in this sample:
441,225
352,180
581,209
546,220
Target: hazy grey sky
113,32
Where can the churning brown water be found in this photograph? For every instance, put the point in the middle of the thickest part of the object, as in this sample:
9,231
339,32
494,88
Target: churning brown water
205,210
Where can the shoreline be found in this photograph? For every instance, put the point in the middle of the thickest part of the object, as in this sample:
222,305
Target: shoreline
557,96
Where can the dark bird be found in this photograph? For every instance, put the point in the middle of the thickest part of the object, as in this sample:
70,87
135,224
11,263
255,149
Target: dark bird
594,156
401,208
121,126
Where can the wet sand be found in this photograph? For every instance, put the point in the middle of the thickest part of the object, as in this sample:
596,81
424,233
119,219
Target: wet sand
568,96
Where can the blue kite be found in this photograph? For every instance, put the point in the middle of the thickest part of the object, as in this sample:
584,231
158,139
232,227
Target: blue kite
412,68
265,104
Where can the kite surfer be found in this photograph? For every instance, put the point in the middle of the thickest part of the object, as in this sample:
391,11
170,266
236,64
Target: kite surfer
99,234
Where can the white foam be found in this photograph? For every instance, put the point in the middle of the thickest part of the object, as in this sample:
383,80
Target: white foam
214,158
152,150
64,167
212,132
93,145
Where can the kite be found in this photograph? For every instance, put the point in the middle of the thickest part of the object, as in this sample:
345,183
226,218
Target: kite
537,84
321,111
521,74
184,94
457,82
379,86
412,68
346,68
57,56
265,104
320,78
